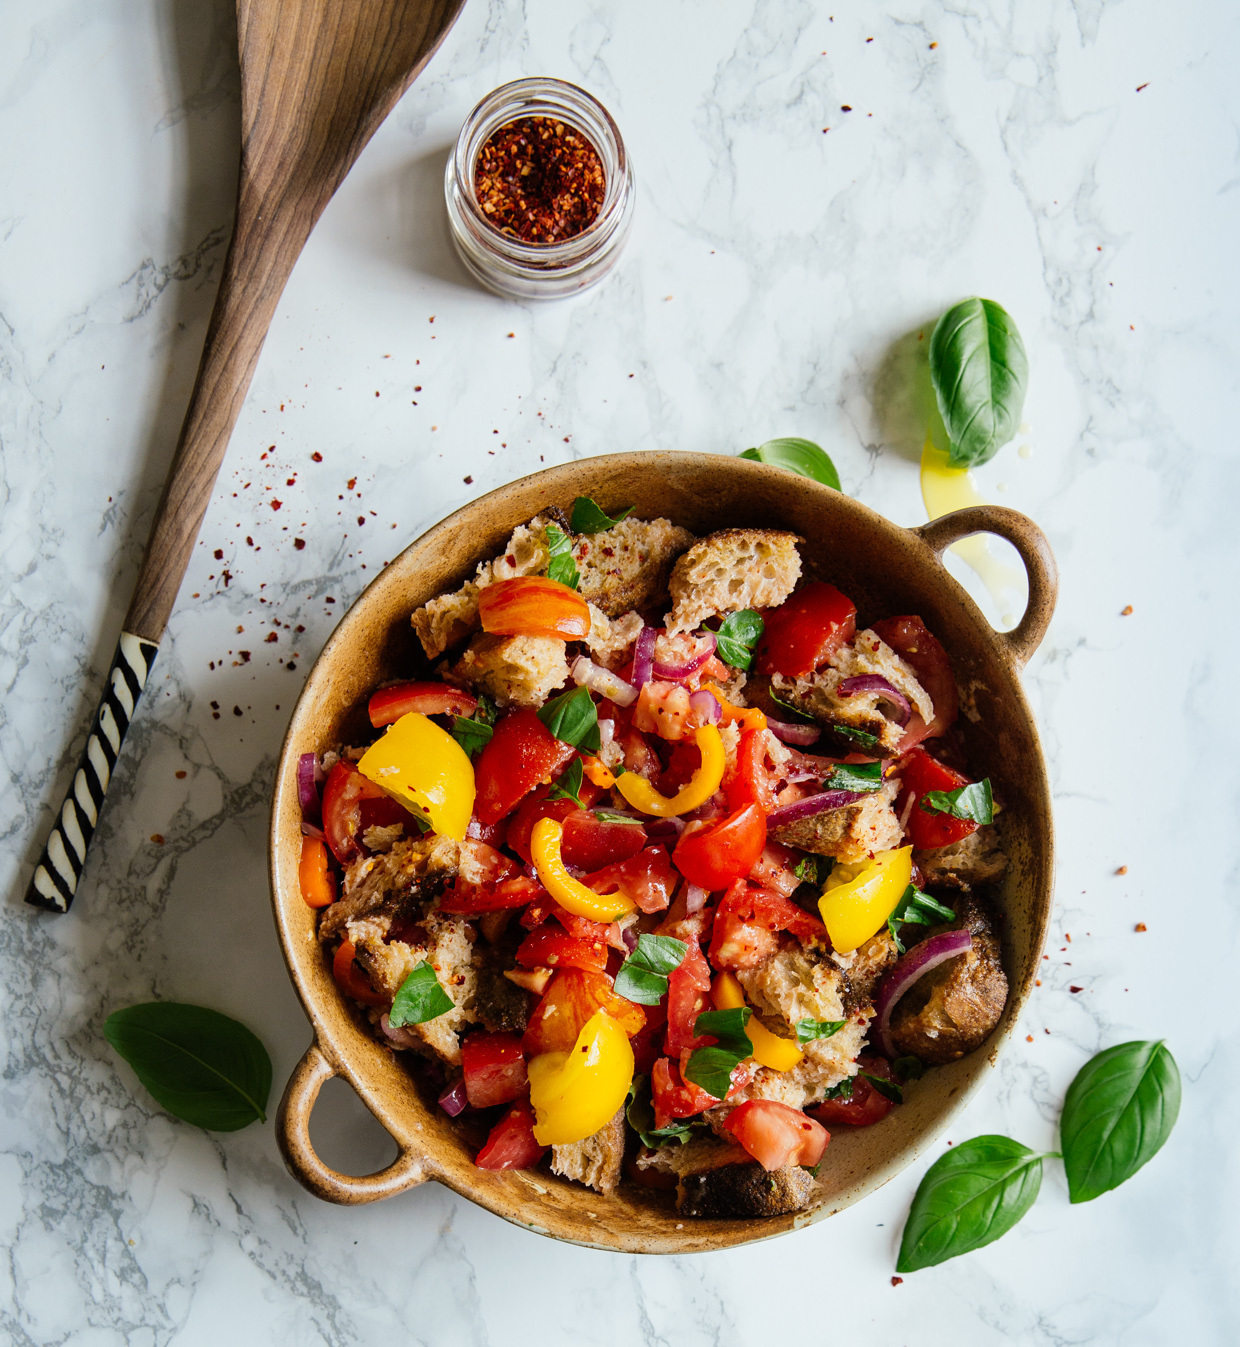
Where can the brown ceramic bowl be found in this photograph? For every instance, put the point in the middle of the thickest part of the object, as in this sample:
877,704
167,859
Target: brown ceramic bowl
886,570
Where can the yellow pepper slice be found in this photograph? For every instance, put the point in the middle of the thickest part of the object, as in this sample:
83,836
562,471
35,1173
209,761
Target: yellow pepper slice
571,894
747,717
642,795
575,1093
780,1054
858,899
425,769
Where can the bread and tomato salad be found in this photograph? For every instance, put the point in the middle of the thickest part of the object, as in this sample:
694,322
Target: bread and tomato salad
663,865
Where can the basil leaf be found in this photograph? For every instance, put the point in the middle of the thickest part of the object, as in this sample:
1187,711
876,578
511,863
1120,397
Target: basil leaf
568,787
199,1065
889,1089
842,1091
1119,1111
420,998
808,1030
640,1112
642,977
973,803
473,733
980,371
560,563
807,870
588,518
606,816
735,640
919,908
859,777
803,457
572,717
968,1198
710,1069
861,738
908,1068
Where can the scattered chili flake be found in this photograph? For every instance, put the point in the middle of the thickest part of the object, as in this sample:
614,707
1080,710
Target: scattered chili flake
237,711
539,180
1028,1038
1076,989
158,839
469,481
1126,612
275,504
844,107
219,554
1141,927
245,656
361,519
271,636
351,483
182,775
1146,85
316,457
1123,870
299,543
895,1281
933,45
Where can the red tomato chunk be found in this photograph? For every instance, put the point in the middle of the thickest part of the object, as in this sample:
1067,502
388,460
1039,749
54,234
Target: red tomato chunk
511,1144
866,1105
777,1135
494,1069
430,699
802,634
521,754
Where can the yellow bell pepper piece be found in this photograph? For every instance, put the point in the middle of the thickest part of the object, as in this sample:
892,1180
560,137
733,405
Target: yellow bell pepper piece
747,717
642,795
780,1054
858,899
425,769
571,894
595,771
575,1093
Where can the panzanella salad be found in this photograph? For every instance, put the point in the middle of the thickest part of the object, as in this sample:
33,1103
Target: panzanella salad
666,867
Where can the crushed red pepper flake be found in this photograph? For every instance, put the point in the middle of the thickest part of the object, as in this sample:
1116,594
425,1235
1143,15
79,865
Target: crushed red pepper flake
1141,927
181,776
539,180
316,457
1123,870
299,543
895,1281
1126,611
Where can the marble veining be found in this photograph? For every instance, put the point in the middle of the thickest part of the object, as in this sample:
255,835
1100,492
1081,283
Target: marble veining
814,188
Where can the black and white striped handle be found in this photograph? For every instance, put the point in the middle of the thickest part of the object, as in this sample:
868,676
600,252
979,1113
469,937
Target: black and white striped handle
56,876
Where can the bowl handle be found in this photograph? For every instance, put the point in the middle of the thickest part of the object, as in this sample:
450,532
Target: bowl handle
1030,542
293,1137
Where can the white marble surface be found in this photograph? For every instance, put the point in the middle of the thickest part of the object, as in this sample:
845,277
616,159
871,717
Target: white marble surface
769,288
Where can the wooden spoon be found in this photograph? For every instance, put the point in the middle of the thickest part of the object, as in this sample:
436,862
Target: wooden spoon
317,79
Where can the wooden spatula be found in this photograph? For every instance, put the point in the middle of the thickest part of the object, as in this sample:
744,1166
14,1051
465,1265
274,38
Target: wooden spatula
317,79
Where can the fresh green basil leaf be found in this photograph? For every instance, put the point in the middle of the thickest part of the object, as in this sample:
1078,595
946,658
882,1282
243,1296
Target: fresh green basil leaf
472,735
560,563
972,803
588,518
420,998
968,1198
572,717
863,777
794,711
710,1069
803,457
199,1065
862,738
980,372
918,908
639,1109
735,640
842,1091
568,787
607,816
908,1068
642,977
808,1030
1119,1111
889,1089
807,870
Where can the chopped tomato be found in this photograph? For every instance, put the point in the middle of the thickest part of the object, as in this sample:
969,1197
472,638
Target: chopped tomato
747,923
775,869
521,754
803,633
866,1105
683,762
431,699
777,1135
351,980
714,854
647,1043
494,1068
532,605
673,1096
493,834
511,1144
343,793
571,998
587,843
919,774
908,637
554,947
688,995
646,879
754,782
318,884
471,899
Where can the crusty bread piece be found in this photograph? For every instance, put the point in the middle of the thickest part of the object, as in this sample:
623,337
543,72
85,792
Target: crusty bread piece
976,859
609,641
744,1191
515,670
731,570
852,833
627,567
597,1160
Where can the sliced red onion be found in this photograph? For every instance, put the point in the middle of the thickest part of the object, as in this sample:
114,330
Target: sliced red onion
811,806
454,1100
629,936
695,898
789,733
643,657
706,706
401,1037
677,672
663,827
309,830
587,674
307,789
913,965
873,683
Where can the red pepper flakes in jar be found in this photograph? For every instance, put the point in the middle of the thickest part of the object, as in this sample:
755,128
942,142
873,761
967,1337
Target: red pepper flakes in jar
539,180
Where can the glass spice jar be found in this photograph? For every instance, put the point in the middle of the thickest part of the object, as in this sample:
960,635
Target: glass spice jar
498,258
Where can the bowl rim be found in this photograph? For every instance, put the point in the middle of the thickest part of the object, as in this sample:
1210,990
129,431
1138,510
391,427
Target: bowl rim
328,1055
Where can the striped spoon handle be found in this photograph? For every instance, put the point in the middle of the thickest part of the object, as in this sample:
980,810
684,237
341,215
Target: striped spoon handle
56,876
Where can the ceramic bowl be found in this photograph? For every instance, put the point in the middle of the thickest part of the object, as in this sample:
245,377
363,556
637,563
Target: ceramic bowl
886,570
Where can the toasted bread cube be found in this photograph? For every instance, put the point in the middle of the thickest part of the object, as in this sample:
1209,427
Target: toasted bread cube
514,670
732,570
597,1160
